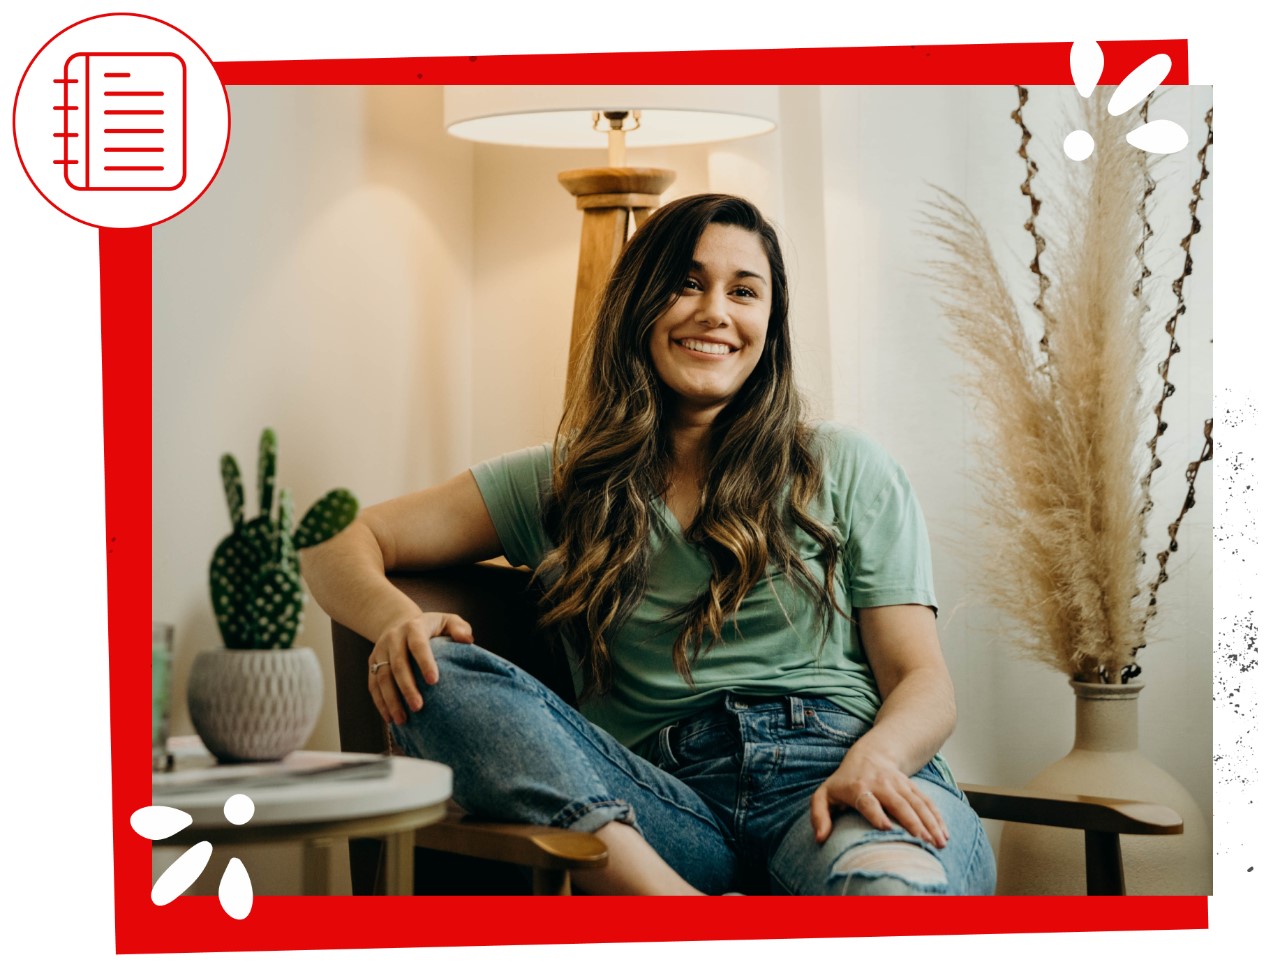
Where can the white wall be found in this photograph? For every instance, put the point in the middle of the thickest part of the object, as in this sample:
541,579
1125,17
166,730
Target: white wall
318,287
396,304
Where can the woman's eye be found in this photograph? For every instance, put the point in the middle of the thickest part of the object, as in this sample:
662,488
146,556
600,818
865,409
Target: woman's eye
743,292
691,285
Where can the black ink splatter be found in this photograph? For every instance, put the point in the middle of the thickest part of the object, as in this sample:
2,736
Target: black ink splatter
1236,653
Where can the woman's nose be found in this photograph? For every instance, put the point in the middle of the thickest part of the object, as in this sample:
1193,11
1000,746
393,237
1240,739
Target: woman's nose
712,310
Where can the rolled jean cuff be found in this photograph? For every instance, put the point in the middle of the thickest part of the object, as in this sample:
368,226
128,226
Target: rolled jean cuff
592,814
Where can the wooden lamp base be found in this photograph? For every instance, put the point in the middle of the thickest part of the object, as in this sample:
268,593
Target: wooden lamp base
608,198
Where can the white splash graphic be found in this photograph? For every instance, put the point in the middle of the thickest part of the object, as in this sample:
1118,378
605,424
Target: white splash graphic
235,891
1159,136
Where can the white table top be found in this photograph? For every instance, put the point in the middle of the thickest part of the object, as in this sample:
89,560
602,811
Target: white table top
409,784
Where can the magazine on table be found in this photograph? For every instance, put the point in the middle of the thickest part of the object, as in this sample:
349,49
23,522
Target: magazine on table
195,768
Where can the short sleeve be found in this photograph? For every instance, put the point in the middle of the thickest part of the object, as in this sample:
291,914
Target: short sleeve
513,487
887,559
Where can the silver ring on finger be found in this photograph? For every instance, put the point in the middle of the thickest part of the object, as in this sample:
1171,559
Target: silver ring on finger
858,801
375,666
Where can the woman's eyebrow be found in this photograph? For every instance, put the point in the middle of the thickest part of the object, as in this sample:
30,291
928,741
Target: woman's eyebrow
697,266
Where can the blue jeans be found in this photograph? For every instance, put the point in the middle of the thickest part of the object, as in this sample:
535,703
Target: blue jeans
727,806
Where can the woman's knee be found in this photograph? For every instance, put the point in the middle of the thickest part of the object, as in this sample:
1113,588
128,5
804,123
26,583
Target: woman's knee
465,657
887,868
458,707
461,670
857,859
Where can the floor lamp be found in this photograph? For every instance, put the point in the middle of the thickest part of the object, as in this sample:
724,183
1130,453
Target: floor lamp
616,197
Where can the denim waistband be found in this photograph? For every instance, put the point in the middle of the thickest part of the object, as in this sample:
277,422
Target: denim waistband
790,706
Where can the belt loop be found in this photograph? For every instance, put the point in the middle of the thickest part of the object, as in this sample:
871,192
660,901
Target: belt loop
796,706
664,744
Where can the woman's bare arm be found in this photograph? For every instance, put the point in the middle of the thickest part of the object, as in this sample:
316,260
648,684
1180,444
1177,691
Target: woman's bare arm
917,714
437,527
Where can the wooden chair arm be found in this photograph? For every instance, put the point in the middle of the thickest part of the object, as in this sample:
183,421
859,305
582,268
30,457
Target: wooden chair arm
1092,814
550,852
536,846
1103,821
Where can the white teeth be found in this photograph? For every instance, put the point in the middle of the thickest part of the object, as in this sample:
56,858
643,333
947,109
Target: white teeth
702,347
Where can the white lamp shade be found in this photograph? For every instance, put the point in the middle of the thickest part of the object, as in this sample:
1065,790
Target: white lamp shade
560,115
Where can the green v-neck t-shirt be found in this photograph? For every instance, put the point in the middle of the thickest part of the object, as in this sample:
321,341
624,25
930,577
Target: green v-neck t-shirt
776,646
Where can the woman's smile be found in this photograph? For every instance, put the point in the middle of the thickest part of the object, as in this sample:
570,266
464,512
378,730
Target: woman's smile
705,348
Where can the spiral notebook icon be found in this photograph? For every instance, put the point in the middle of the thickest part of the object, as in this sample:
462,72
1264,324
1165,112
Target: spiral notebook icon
123,121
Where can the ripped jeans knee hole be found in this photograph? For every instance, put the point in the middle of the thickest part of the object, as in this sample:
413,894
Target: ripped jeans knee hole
890,868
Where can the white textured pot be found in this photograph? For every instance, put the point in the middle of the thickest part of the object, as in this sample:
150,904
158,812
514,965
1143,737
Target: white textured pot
1105,761
254,704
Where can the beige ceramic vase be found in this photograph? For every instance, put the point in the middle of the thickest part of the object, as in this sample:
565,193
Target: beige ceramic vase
1105,761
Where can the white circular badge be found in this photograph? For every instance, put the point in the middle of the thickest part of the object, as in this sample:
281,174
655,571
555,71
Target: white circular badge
121,121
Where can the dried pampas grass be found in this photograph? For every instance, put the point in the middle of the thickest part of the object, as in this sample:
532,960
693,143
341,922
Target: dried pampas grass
1062,473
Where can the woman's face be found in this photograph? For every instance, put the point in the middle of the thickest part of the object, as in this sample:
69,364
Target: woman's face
710,338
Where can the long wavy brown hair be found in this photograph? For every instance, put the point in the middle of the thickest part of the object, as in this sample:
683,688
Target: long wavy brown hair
613,457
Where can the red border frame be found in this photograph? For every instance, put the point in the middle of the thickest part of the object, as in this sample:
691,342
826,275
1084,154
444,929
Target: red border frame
289,923
1046,63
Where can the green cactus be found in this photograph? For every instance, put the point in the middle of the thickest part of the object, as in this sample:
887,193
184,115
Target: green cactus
266,470
327,516
254,578
233,489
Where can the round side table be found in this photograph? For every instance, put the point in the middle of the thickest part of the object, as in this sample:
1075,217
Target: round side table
319,810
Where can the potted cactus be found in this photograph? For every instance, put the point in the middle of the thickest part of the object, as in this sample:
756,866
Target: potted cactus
258,697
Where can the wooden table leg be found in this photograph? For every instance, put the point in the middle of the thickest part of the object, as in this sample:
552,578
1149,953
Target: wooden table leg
398,873
317,864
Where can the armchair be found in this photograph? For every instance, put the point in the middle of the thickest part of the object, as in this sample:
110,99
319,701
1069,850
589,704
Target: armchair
462,855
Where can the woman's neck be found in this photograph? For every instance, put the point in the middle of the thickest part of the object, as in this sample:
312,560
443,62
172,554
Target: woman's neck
690,447
687,474
689,433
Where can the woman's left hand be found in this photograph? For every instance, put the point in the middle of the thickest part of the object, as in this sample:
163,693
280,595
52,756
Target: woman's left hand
874,787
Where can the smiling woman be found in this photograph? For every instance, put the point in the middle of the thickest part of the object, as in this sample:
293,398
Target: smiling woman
704,554
717,438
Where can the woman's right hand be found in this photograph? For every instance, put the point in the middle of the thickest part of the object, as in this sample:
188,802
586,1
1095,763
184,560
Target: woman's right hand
445,526
391,681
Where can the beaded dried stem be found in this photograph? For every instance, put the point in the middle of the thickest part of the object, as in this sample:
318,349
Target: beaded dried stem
1167,389
1042,279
